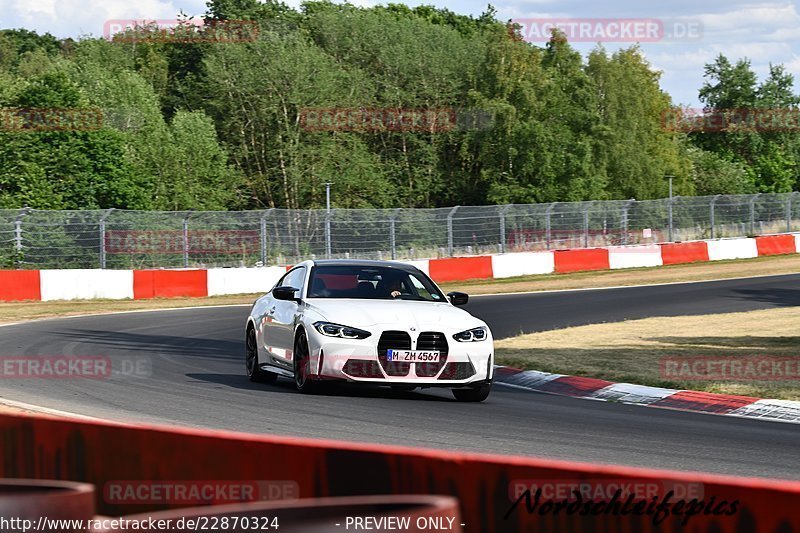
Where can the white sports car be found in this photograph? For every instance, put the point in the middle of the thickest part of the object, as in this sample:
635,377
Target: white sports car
376,322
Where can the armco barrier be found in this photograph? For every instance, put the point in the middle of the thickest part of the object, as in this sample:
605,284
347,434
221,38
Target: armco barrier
169,283
581,260
684,252
776,245
99,453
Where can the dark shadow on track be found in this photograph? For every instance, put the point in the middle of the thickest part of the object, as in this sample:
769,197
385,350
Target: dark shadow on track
156,344
775,296
325,389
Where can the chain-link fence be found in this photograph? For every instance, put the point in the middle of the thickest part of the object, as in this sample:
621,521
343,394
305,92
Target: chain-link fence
154,239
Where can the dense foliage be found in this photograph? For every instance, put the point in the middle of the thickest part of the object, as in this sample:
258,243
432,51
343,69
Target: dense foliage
219,125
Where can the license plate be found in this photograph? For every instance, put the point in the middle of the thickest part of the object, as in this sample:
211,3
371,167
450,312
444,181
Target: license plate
412,356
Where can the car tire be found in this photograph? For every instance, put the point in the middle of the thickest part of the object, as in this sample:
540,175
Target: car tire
474,394
300,360
254,372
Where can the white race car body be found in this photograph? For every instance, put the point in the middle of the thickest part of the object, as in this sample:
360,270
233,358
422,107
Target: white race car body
353,330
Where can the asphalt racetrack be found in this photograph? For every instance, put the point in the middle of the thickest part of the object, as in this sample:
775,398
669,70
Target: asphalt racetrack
191,373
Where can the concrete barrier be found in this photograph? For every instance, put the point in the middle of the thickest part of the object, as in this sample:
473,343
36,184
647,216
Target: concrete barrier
169,283
522,264
242,280
460,268
421,264
776,245
18,285
79,284
684,252
742,248
634,256
138,284
581,260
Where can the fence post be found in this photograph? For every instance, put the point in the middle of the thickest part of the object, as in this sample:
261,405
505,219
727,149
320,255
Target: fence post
186,241
547,229
18,240
670,230
586,225
263,228
328,247
753,213
393,232
18,235
789,211
450,230
103,237
712,217
625,208
503,210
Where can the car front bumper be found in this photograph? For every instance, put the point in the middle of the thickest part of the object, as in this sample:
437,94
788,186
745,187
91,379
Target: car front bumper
465,363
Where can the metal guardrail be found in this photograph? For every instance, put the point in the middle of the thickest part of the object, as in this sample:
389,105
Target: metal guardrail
124,239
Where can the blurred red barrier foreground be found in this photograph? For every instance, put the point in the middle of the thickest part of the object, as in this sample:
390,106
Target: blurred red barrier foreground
24,502
310,515
495,493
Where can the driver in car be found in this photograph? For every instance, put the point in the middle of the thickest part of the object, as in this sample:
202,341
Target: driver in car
392,287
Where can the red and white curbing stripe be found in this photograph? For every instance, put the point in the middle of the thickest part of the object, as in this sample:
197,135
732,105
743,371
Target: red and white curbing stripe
599,389
80,284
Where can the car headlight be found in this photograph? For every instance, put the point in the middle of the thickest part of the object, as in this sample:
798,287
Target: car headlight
471,335
337,330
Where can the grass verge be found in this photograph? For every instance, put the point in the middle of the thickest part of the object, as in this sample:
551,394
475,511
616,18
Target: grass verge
632,351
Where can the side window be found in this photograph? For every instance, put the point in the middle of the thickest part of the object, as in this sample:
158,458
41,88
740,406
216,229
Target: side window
422,290
295,278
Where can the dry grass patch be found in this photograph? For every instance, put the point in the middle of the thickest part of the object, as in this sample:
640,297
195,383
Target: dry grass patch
632,351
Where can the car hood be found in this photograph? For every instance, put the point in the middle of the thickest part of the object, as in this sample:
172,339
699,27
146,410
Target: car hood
398,313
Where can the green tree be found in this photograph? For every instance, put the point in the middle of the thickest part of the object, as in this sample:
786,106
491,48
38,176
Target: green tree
632,146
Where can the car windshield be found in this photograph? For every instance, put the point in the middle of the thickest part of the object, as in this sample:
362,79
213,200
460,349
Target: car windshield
371,283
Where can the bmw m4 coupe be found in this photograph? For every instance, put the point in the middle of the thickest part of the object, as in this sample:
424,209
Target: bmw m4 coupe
375,322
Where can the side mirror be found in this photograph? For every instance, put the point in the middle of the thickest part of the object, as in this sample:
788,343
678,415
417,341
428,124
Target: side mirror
285,293
458,298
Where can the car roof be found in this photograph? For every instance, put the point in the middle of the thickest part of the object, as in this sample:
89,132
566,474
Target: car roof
366,262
